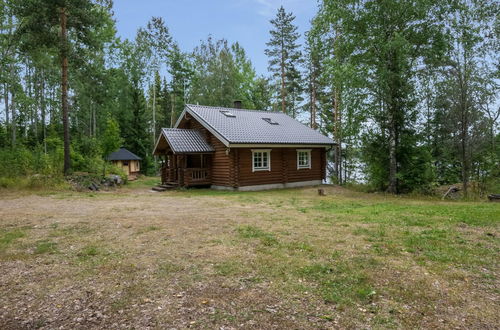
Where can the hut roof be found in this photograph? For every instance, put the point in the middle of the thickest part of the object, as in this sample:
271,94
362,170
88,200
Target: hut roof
123,154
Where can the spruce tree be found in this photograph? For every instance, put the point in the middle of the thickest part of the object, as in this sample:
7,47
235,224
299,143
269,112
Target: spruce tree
285,58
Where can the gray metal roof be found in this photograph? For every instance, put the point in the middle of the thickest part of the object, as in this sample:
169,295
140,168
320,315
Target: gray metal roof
186,141
256,127
122,154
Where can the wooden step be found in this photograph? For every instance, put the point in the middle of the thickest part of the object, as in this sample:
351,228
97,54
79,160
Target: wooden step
167,186
160,189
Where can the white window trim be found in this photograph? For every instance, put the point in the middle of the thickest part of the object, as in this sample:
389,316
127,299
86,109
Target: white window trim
309,159
268,168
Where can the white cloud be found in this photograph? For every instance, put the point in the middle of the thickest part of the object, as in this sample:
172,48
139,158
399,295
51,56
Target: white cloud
268,8
265,7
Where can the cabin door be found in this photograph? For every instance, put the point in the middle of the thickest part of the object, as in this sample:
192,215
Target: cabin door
126,167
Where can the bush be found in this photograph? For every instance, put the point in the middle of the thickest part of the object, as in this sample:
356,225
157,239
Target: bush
23,167
8,182
112,169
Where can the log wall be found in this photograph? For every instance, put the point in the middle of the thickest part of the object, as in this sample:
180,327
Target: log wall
283,167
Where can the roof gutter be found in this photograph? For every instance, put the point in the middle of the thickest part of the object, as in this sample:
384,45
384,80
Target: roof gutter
280,145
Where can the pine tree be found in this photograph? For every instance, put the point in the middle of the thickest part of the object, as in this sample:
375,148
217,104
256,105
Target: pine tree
284,59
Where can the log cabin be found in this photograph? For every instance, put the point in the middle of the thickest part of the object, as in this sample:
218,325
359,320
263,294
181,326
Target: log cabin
126,160
239,149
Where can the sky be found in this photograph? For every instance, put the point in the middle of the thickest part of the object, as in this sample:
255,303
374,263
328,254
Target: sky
189,21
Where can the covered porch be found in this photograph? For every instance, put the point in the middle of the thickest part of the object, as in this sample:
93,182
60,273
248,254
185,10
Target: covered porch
186,158
186,170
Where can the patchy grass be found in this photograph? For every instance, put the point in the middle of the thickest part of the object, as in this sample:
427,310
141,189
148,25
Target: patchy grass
8,237
267,239
45,246
167,268
144,182
147,229
89,252
275,259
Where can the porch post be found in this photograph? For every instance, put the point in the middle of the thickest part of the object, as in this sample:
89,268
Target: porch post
182,169
174,168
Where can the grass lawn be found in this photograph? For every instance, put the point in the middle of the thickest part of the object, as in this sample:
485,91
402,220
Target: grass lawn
275,259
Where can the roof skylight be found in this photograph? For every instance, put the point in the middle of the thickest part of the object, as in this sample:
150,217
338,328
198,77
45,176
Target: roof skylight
227,113
270,121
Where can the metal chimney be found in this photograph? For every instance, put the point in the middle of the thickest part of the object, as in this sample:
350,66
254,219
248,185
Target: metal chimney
237,104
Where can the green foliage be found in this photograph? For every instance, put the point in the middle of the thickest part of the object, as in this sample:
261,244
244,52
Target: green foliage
375,156
24,162
3,137
136,137
417,172
117,171
223,74
35,168
111,140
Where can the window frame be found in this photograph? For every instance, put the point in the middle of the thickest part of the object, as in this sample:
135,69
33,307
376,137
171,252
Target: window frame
309,159
261,151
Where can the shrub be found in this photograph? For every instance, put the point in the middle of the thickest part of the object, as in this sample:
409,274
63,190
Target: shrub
112,169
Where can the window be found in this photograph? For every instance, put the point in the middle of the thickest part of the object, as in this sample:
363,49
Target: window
303,158
261,160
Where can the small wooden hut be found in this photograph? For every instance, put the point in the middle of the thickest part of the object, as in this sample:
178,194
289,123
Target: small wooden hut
126,160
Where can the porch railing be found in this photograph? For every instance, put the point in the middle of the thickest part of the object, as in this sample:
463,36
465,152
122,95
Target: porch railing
194,176
187,176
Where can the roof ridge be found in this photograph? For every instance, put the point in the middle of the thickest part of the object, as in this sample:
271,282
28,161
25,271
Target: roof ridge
237,109
179,129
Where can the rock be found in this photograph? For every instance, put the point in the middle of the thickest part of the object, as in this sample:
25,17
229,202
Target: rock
93,186
494,198
112,180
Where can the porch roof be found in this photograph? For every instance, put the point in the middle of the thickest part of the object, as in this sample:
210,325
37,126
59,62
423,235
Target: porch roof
183,141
